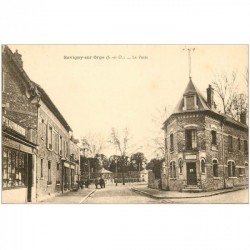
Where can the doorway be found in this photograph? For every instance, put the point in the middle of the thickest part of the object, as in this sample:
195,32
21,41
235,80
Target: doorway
191,173
29,176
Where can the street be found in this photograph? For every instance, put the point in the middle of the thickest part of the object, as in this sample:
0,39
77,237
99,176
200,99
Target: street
118,194
124,194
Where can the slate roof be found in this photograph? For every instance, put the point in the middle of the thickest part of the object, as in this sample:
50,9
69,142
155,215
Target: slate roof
202,106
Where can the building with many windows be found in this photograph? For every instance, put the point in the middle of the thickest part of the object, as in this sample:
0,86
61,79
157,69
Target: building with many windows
205,150
40,156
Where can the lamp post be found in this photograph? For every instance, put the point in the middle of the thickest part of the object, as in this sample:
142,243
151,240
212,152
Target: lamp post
116,172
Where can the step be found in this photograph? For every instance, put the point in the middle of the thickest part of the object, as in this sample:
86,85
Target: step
192,189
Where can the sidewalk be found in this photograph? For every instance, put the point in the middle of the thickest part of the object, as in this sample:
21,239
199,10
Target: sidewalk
161,194
73,197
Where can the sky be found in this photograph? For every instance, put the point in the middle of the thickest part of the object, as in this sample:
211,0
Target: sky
95,92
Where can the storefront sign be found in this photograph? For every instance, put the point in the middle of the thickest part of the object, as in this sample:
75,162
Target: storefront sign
190,157
13,126
66,165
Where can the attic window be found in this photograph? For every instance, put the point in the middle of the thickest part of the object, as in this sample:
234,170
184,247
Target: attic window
190,102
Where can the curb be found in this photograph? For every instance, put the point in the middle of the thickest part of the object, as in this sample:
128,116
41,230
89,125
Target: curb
87,196
186,197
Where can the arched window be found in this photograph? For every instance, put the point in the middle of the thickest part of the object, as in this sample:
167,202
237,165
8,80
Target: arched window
180,165
215,168
231,168
172,169
203,167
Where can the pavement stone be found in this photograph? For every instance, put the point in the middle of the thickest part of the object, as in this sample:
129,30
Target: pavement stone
162,194
73,197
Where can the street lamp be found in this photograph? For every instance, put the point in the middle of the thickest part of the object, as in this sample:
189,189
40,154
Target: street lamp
116,172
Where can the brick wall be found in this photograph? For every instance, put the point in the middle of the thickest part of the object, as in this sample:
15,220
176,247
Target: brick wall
204,125
17,106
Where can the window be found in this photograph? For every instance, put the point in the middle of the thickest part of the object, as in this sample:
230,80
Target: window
245,147
231,168
239,144
203,167
215,168
230,143
172,169
67,149
56,147
49,138
49,173
41,168
57,166
180,166
60,145
172,142
14,165
190,102
214,137
191,139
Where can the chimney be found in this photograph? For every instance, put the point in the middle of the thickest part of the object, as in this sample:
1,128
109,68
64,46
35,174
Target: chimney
243,117
210,97
18,58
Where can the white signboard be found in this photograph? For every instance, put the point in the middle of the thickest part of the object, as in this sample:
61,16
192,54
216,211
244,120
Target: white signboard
190,157
12,125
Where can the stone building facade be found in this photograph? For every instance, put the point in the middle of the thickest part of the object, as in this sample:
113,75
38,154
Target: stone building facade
40,156
205,150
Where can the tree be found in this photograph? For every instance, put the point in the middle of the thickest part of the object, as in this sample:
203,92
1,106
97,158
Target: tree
102,161
93,144
137,161
122,144
230,101
157,142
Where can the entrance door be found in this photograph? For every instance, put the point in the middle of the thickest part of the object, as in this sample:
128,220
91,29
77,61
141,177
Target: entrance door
191,173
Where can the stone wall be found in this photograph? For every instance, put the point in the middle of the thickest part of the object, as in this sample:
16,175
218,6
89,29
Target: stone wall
45,117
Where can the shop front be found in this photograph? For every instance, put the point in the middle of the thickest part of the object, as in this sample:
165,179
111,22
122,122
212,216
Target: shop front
18,162
68,176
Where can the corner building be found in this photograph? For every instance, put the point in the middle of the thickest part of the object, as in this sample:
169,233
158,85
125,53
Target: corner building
205,150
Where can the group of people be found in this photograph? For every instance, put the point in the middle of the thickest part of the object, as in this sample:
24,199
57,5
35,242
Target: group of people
100,182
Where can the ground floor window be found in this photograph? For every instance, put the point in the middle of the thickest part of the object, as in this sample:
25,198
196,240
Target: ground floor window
14,168
203,167
231,168
172,169
215,168
49,173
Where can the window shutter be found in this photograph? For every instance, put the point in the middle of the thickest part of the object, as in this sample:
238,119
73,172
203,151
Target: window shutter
47,135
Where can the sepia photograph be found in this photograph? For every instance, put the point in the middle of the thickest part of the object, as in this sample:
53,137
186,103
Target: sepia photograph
125,124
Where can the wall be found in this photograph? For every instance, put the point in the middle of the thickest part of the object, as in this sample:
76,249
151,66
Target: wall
204,125
45,117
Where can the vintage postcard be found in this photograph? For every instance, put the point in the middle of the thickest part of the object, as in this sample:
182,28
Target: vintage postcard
93,124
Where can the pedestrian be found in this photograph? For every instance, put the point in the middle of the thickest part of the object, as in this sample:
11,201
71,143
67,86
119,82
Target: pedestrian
96,183
102,183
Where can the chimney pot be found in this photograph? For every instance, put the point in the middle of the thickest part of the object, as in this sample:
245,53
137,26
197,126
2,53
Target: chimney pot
18,58
210,97
243,117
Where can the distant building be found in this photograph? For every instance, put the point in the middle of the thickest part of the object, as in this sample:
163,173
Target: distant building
40,158
205,150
